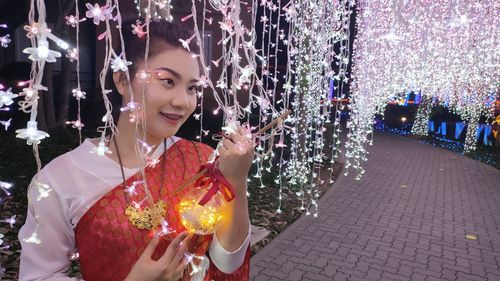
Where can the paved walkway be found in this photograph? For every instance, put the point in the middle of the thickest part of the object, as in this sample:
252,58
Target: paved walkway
407,219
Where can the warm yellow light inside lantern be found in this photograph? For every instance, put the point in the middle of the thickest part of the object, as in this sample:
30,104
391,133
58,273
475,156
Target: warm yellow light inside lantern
199,219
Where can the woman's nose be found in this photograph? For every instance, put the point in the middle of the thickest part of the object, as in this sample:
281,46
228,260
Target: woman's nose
180,99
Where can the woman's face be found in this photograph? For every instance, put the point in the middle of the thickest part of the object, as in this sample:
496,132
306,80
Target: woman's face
170,94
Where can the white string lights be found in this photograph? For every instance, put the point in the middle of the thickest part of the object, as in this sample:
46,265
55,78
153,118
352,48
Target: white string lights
444,49
39,53
154,9
311,34
421,124
311,46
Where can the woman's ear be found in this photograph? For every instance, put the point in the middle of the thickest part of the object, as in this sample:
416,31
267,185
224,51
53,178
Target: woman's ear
121,83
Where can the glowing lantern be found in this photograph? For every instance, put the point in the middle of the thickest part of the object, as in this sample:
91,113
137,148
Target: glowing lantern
203,208
200,219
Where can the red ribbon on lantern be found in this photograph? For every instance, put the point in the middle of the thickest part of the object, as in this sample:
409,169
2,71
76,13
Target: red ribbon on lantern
219,183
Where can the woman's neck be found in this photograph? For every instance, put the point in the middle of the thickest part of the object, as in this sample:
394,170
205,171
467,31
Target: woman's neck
127,142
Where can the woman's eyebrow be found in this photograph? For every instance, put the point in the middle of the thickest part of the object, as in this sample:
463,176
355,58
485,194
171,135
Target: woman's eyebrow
176,74
173,72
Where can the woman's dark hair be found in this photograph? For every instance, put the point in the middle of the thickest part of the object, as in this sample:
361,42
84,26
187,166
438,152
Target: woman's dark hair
163,35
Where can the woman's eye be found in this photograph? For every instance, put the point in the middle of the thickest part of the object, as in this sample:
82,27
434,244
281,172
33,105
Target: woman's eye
168,82
195,89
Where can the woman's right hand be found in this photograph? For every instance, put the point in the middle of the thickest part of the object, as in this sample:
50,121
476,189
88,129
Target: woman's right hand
169,267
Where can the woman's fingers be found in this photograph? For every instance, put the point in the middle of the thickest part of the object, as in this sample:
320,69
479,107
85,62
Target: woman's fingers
150,248
181,267
173,247
227,143
181,251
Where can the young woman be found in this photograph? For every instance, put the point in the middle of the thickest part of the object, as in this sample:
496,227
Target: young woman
92,206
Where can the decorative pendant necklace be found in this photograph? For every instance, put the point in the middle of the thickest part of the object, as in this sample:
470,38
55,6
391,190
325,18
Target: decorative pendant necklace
151,216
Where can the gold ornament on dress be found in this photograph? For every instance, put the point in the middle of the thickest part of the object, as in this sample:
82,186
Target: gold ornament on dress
148,218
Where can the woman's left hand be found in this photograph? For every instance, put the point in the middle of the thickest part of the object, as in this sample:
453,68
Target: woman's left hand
235,157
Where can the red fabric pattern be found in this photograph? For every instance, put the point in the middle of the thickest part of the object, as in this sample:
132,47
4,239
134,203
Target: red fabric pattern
109,245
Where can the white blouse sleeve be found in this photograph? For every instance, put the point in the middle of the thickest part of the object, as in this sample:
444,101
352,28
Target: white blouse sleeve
226,261
48,259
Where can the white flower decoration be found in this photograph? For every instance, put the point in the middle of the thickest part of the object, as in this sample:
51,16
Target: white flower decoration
72,54
5,40
73,21
1,236
246,73
119,64
31,134
43,192
6,123
28,92
42,52
33,238
101,149
11,221
96,13
78,94
6,97
203,81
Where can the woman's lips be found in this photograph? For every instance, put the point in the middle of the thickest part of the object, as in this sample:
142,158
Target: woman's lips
173,119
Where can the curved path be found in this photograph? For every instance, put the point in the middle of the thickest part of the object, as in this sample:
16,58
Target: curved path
407,219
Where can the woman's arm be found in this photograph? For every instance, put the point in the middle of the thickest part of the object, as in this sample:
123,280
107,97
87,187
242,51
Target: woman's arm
47,260
236,227
236,155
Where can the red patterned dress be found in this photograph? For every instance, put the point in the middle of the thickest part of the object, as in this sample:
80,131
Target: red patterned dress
108,245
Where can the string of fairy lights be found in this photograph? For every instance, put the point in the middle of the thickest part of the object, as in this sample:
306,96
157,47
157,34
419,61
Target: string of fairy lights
447,50
6,99
249,72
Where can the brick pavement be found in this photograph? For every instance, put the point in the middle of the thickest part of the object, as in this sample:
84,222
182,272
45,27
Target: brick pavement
407,219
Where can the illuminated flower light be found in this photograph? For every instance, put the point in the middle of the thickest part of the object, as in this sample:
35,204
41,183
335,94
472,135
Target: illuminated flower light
72,54
5,40
143,76
33,238
131,106
6,97
185,43
42,52
138,29
101,149
78,94
31,134
43,190
119,64
77,124
165,229
6,124
246,74
32,30
203,81
11,221
74,256
130,190
5,186
98,13
73,21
